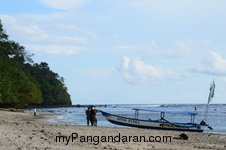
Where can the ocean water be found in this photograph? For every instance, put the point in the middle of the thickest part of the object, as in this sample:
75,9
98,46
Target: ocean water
76,116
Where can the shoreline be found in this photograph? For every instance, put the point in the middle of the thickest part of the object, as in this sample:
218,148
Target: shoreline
22,130
77,117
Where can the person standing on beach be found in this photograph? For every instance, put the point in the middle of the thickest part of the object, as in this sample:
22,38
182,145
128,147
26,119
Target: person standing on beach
92,116
35,112
88,115
95,118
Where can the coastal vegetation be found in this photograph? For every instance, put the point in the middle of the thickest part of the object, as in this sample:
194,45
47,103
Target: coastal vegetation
23,82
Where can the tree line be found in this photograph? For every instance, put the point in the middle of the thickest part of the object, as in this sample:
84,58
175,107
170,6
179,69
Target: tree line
23,82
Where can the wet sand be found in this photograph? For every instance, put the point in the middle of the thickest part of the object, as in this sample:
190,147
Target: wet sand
22,130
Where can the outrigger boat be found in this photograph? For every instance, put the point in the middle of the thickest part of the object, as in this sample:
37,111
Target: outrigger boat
162,123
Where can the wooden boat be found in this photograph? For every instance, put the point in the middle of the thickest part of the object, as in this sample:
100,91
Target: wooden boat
162,123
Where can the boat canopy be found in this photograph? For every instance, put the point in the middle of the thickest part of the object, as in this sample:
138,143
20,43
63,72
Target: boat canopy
166,111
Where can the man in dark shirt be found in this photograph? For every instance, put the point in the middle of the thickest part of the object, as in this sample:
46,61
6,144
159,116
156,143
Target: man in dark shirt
92,116
88,115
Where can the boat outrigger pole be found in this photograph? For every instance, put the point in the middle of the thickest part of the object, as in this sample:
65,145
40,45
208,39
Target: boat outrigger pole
211,94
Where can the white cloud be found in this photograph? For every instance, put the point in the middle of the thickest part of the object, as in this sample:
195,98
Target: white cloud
31,32
182,48
64,4
136,71
37,32
26,31
214,65
126,63
69,39
40,38
54,49
187,49
125,47
150,51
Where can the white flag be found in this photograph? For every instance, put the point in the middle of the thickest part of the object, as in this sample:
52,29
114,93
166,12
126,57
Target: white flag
212,88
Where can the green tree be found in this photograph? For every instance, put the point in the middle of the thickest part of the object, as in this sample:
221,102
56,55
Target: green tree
17,88
52,86
22,83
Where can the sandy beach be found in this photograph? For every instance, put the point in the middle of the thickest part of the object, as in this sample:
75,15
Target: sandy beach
22,130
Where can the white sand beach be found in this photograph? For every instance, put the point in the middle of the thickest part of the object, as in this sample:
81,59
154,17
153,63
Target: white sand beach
23,131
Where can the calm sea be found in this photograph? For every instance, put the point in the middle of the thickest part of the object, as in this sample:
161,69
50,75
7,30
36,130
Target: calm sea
216,116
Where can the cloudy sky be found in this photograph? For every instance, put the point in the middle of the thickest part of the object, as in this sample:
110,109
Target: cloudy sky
126,51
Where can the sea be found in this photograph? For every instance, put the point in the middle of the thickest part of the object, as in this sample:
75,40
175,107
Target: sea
76,115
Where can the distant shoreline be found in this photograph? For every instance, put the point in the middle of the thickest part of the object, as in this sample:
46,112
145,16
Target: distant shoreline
94,105
50,106
62,106
105,105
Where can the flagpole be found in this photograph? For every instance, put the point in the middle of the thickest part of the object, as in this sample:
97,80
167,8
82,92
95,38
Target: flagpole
206,112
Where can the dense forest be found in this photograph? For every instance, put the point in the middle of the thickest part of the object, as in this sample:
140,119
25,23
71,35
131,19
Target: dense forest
24,83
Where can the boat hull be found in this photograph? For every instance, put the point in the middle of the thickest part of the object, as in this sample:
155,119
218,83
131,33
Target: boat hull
149,124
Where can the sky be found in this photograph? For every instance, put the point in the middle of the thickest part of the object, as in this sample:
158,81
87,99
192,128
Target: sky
126,51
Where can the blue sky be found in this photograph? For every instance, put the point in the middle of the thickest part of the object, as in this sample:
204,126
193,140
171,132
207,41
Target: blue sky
126,51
